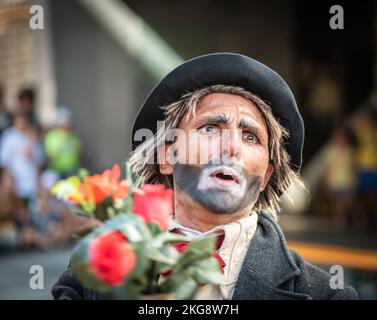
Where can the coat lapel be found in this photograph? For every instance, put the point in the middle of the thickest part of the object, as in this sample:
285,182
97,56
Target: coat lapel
268,264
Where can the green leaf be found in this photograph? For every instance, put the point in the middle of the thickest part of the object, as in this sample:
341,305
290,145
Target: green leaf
209,264
89,207
198,250
128,172
126,206
101,212
207,276
167,255
155,230
64,188
202,245
186,289
87,229
167,238
111,213
130,225
131,290
142,262
80,212
208,271
129,177
83,173
132,232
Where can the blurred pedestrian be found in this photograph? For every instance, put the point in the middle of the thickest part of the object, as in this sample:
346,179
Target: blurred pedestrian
62,146
21,154
340,178
46,226
26,105
365,123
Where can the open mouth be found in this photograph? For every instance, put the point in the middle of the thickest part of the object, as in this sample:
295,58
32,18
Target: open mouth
224,176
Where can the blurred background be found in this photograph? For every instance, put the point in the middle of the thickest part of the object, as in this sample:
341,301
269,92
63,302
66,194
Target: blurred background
72,80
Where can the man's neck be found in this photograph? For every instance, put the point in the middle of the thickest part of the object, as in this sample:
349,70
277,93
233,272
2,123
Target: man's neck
194,216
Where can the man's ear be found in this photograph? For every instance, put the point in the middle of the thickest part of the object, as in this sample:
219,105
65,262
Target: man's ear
267,176
166,153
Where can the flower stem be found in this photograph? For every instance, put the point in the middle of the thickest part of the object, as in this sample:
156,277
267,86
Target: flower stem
153,282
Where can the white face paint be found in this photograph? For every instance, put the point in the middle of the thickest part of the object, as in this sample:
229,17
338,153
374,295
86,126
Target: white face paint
221,188
222,178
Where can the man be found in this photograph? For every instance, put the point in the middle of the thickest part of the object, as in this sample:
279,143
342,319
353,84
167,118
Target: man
22,155
229,156
26,105
62,146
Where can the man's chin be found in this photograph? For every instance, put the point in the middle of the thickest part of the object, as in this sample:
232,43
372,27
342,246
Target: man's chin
220,202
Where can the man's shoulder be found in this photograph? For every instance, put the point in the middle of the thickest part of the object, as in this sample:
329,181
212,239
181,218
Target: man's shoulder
316,282
298,276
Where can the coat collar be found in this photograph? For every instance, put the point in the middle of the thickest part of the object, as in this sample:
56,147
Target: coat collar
268,264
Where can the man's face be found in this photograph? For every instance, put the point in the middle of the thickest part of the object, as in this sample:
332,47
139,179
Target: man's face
25,105
225,160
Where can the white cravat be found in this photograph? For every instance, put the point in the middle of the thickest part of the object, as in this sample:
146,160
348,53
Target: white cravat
233,250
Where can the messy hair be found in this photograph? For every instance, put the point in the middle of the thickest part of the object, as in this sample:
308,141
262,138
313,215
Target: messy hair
282,177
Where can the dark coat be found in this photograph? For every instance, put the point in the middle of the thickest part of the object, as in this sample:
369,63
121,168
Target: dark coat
270,271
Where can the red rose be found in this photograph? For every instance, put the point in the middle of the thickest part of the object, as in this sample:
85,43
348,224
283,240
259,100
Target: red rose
181,246
154,203
111,257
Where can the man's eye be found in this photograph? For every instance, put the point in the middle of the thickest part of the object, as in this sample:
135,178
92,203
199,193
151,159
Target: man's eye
249,137
208,129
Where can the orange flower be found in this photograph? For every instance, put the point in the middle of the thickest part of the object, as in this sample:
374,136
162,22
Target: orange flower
96,188
84,194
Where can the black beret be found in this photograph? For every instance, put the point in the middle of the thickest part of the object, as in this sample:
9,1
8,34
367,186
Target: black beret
227,69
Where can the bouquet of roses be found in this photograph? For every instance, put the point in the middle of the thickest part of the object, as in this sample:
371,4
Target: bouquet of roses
129,254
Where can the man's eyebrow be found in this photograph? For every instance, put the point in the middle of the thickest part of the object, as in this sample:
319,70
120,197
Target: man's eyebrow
249,125
223,118
216,118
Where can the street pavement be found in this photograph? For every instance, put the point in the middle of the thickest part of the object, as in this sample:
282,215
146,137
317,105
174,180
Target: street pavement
15,276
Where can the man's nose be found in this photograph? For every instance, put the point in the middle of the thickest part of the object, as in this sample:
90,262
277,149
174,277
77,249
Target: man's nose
231,143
